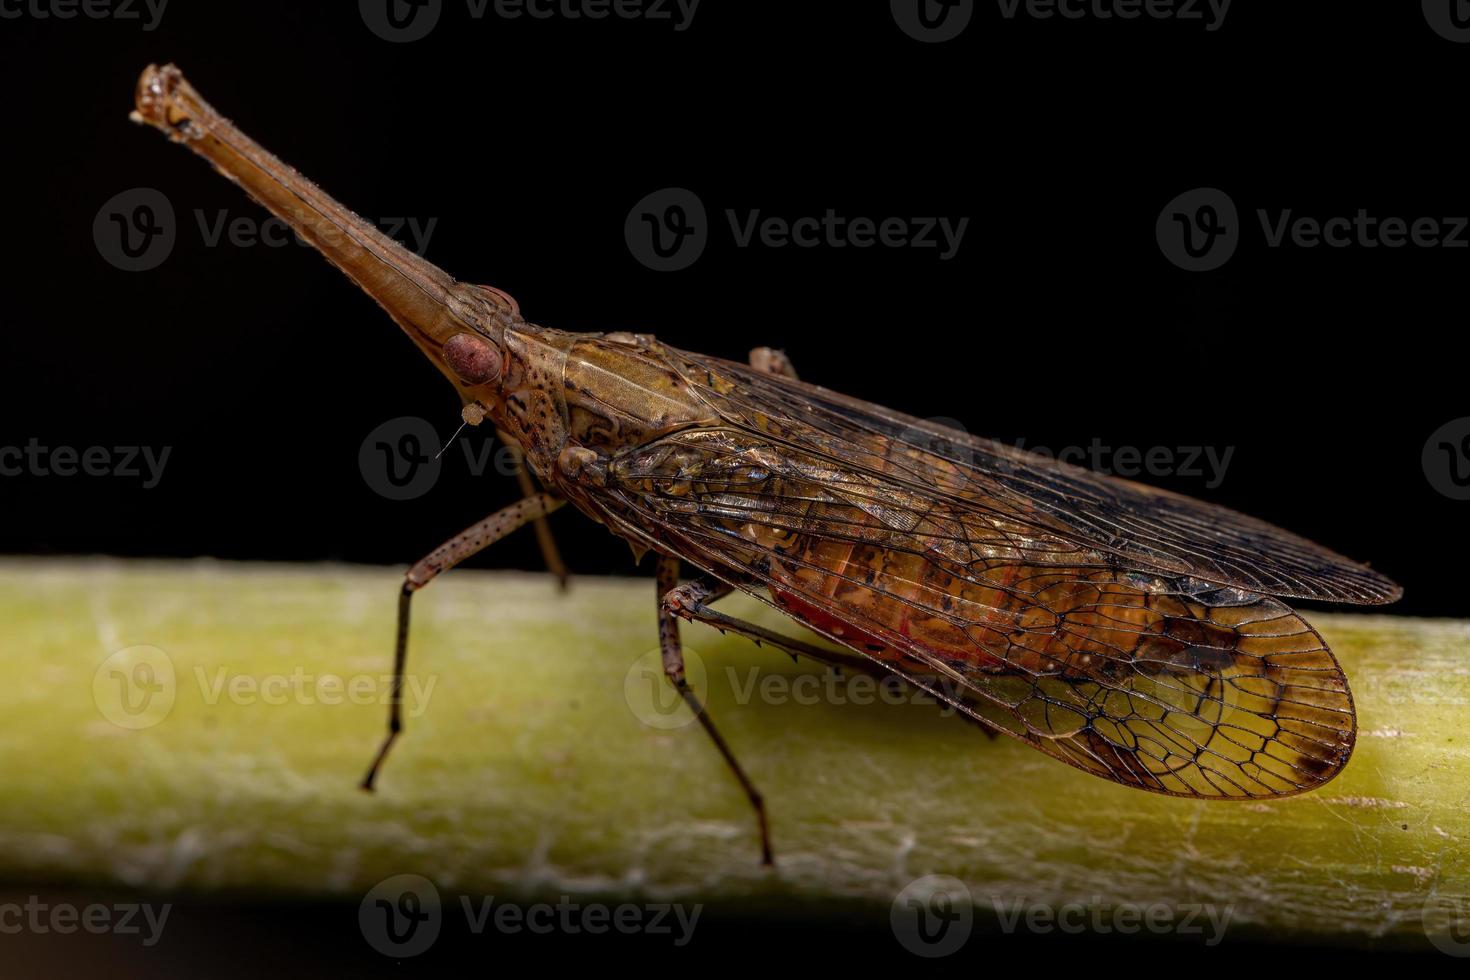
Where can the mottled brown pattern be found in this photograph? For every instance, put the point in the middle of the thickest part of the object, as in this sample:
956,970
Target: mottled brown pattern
1167,684
1130,632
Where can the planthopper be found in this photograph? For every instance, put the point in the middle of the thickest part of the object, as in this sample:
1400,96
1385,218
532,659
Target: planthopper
1130,632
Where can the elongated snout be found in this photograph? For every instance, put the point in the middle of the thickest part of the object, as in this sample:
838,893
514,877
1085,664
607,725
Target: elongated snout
457,326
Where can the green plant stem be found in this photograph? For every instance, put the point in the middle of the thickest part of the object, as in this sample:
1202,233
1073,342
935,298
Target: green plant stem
523,769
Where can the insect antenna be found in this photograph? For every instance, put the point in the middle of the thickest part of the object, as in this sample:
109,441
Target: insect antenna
450,441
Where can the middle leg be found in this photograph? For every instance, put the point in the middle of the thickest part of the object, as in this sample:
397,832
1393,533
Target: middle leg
550,554
692,604
670,595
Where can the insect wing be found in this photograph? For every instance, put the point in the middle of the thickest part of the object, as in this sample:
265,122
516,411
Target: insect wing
1163,682
1144,526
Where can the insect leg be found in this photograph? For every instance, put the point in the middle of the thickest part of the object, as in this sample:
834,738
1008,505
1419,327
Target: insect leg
549,552
671,596
696,610
469,541
772,361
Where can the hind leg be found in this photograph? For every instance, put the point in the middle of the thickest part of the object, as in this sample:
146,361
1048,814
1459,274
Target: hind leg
671,595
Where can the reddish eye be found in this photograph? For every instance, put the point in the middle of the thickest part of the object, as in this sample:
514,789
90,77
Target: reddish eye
473,358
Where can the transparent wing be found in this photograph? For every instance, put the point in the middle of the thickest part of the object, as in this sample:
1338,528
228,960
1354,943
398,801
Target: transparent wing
1143,527
1166,683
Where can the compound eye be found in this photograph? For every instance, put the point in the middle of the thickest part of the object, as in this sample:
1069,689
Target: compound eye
473,358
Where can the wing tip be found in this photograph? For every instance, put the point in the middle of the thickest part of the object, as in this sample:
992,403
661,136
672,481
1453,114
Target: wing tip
1371,588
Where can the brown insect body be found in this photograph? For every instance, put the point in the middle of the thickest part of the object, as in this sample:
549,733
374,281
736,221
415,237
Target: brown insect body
1048,640
1130,632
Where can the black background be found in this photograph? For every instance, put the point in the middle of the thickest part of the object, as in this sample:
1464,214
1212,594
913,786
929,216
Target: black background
1058,323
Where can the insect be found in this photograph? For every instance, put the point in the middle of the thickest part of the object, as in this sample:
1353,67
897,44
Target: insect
1127,631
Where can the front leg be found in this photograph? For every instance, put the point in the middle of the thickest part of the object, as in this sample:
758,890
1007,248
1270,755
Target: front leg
469,541
673,597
